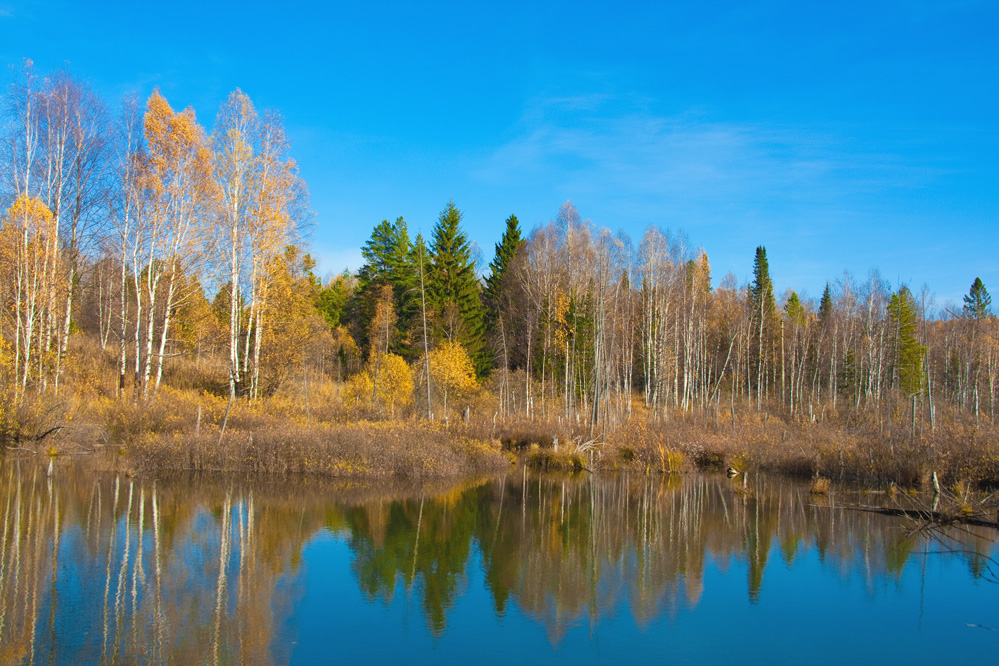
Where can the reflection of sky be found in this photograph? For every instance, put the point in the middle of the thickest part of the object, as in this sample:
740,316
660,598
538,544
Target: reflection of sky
833,603
810,611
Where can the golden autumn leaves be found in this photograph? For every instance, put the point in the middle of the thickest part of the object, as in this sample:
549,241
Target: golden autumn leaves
208,207
30,269
389,381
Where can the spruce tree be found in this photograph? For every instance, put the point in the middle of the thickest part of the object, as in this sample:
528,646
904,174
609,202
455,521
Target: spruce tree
453,288
977,304
506,250
907,368
793,309
761,299
388,256
761,292
825,306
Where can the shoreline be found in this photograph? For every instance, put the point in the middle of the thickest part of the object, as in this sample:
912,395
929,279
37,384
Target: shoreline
421,450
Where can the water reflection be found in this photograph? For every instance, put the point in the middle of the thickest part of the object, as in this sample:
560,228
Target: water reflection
99,569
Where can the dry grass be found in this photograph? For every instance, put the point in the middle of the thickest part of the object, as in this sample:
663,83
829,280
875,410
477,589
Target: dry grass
180,429
550,460
854,446
312,427
368,449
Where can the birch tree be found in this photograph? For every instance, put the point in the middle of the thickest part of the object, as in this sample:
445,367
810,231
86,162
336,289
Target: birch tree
235,166
178,187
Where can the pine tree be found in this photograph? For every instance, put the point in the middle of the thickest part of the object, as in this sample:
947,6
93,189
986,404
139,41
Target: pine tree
978,302
331,299
453,289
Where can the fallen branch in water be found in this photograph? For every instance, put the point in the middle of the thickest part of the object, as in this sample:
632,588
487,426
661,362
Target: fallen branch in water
928,515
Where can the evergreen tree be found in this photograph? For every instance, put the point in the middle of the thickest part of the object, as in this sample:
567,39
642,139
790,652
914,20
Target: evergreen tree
496,294
388,256
793,309
825,306
761,292
977,304
453,289
907,369
761,299
506,250
332,298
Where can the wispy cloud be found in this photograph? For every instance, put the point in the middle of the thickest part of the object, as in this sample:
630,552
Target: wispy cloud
688,161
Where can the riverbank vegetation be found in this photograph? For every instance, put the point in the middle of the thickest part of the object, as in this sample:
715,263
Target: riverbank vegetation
159,305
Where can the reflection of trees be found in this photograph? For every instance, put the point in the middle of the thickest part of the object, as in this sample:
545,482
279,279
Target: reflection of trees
188,570
113,570
567,550
418,542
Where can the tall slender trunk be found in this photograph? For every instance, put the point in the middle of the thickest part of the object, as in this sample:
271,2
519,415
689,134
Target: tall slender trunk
426,345
167,318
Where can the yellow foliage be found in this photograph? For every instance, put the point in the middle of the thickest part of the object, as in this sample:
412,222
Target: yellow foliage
395,383
450,368
358,388
7,382
30,258
32,214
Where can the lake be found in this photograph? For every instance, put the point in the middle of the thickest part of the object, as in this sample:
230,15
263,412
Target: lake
525,568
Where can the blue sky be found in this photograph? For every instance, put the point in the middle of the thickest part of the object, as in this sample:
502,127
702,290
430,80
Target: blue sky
842,136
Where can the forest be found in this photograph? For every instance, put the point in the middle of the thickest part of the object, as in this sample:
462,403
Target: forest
157,300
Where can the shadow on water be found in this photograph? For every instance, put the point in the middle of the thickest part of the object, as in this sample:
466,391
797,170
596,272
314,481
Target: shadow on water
104,569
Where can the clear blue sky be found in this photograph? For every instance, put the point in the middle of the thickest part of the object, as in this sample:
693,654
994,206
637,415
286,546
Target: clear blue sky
841,135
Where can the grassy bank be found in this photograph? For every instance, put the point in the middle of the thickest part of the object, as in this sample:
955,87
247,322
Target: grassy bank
181,429
851,447
364,449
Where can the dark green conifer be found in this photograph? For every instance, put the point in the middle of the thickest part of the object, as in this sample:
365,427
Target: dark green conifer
331,299
825,306
908,353
506,250
453,288
793,309
388,256
761,292
977,304
761,300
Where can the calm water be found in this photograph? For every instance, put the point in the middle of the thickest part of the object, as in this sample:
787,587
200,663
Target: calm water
521,569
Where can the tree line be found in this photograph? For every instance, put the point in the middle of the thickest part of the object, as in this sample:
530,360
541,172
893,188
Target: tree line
164,243
578,323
